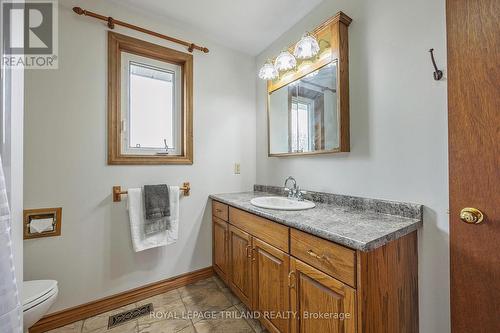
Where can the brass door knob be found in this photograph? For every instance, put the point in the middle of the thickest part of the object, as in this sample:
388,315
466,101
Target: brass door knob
471,215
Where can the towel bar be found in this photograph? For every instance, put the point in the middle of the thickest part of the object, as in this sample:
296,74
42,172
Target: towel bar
117,191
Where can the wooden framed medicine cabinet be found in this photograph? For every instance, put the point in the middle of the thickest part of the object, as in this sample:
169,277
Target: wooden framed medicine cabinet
150,103
308,106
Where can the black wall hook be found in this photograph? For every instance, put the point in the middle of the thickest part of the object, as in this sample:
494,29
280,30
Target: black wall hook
438,75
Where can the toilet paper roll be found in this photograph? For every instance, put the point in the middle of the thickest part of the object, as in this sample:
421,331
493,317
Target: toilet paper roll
41,225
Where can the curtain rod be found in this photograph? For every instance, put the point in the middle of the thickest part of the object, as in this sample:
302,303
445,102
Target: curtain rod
112,22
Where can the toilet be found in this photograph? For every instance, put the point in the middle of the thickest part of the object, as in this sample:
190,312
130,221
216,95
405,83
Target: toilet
38,297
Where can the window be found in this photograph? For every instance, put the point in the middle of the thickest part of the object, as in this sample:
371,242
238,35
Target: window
150,91
300,125
151,112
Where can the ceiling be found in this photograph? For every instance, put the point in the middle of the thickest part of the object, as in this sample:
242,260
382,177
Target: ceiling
249,26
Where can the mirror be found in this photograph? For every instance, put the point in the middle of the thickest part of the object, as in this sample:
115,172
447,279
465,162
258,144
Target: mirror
303,115
308,105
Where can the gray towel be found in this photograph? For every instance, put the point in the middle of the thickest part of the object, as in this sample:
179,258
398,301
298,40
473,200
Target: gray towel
157,208
156,225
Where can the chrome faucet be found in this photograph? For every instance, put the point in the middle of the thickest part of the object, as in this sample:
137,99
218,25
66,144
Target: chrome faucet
294,192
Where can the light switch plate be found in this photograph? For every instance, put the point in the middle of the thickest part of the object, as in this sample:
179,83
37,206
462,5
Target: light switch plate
237,169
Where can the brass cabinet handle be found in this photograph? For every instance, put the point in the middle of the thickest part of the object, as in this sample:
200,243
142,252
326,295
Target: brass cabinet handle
253,254
218,210
315,255
290,285
471,215
248,248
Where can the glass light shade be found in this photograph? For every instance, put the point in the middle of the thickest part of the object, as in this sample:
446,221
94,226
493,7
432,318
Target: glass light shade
306,48
268,71
285,61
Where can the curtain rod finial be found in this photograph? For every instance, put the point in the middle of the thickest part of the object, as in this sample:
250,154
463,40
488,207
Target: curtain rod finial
78,10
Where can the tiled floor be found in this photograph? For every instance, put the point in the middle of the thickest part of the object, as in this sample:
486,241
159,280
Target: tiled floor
180,311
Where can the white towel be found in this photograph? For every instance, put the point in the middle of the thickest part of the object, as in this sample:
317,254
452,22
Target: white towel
137,219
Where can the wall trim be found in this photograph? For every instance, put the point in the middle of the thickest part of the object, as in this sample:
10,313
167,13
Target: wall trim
90,309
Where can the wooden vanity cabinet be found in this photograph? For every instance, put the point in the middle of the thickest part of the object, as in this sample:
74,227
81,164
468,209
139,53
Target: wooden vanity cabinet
220,237
319,300
270,269
333,259
220,210
240,263
301,283
220,257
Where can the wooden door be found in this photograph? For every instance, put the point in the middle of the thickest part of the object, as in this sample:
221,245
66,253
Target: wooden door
270,268
320,303
473,35
240,253
220,248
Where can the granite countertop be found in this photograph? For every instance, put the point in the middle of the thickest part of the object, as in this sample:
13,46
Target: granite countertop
358,223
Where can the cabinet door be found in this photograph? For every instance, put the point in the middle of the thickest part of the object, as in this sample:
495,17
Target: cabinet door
320,301
240,246
270,286
220,247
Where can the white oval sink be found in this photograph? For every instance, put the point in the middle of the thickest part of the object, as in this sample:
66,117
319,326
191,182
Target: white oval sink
282,203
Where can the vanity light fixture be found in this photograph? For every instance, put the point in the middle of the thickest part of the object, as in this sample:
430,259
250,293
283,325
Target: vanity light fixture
268,71
285,61
307,47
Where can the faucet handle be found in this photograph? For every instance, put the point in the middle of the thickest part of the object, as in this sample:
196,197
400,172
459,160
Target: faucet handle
300,194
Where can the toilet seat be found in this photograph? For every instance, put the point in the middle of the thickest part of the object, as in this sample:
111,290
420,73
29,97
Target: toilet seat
36,292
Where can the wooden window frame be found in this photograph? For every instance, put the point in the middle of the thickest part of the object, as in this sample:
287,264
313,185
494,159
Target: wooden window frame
117,44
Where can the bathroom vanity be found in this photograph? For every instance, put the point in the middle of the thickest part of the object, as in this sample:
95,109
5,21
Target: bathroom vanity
347,265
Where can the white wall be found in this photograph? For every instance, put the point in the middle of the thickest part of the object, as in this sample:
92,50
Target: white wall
65,159
398,128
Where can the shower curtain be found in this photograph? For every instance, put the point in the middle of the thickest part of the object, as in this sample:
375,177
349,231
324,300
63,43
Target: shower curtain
10,308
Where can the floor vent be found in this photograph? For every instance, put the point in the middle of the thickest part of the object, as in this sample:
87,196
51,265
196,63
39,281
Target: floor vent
126,316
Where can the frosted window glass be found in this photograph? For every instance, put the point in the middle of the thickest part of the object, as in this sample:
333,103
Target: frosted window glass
151,107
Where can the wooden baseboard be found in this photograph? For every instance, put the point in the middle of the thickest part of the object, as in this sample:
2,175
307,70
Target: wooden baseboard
80,312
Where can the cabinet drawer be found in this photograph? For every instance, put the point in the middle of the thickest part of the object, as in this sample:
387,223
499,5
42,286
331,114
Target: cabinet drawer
270,232
220,210
331,258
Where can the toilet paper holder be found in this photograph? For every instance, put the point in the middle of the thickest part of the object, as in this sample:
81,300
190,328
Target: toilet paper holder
42,215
